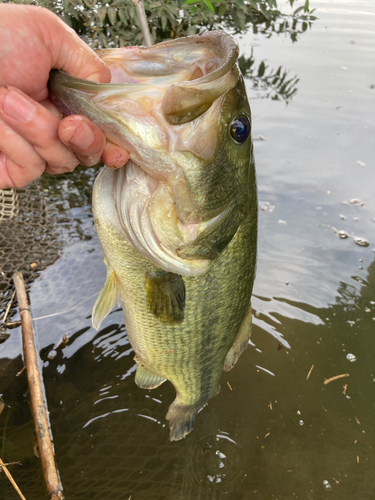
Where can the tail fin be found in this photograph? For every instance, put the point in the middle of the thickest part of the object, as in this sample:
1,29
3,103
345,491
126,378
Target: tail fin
181,420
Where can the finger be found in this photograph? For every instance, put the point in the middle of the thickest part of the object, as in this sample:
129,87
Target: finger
36,125
68,51
52,108
13,175
114,156
21,164
83,137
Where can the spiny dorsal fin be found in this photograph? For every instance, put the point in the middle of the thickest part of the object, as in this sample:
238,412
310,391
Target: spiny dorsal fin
166,296
106,299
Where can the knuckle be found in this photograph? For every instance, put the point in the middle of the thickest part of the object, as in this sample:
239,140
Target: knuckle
61,167
89,160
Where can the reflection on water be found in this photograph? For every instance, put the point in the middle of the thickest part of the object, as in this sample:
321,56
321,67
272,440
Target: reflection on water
274,84
314,306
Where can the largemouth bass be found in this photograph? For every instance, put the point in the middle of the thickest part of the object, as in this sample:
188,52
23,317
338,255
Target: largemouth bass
178,223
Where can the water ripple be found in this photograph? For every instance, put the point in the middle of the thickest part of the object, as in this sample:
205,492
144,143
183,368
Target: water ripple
217,462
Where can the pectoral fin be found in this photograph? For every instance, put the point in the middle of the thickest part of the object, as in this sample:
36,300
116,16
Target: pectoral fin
240,343
106,300
166,296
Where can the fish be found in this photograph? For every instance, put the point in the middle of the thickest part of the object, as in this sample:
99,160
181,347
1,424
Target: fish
178,223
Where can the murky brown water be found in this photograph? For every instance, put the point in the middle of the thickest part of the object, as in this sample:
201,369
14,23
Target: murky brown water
275,431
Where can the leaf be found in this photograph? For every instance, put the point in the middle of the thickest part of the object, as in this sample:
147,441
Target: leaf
112,14
262,69
192,30
298,10
210,6
222,10
102,12
123,15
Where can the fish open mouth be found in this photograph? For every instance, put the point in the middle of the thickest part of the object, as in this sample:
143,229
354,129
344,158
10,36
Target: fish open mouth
163,106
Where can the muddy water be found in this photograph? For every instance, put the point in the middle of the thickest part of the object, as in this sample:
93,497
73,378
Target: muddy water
276,430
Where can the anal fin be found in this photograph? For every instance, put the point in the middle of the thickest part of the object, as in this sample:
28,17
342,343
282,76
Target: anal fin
166,296
147,380
240,343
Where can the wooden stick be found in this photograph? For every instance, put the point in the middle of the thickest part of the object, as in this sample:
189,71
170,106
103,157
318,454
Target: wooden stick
38,406
9,476
140,8
328,380
311,369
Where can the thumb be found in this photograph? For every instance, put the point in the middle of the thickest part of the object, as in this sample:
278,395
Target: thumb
73,55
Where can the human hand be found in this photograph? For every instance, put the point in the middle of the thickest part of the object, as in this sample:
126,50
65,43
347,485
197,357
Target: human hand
33,136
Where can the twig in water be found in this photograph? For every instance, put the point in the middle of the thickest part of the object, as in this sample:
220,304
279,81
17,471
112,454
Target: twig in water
9,476
9,306
38,405
311,369
21,371
9,463
328,380
13,323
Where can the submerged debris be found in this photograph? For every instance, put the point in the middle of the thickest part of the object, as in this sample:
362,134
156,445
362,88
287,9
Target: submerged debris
311,369
336,377
362,242
3,467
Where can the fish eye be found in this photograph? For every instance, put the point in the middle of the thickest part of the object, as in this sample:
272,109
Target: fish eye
240,128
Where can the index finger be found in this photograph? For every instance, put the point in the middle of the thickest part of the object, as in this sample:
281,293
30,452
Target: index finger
70,53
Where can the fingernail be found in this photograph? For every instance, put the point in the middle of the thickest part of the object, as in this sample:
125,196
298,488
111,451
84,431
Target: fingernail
19,108
83,137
